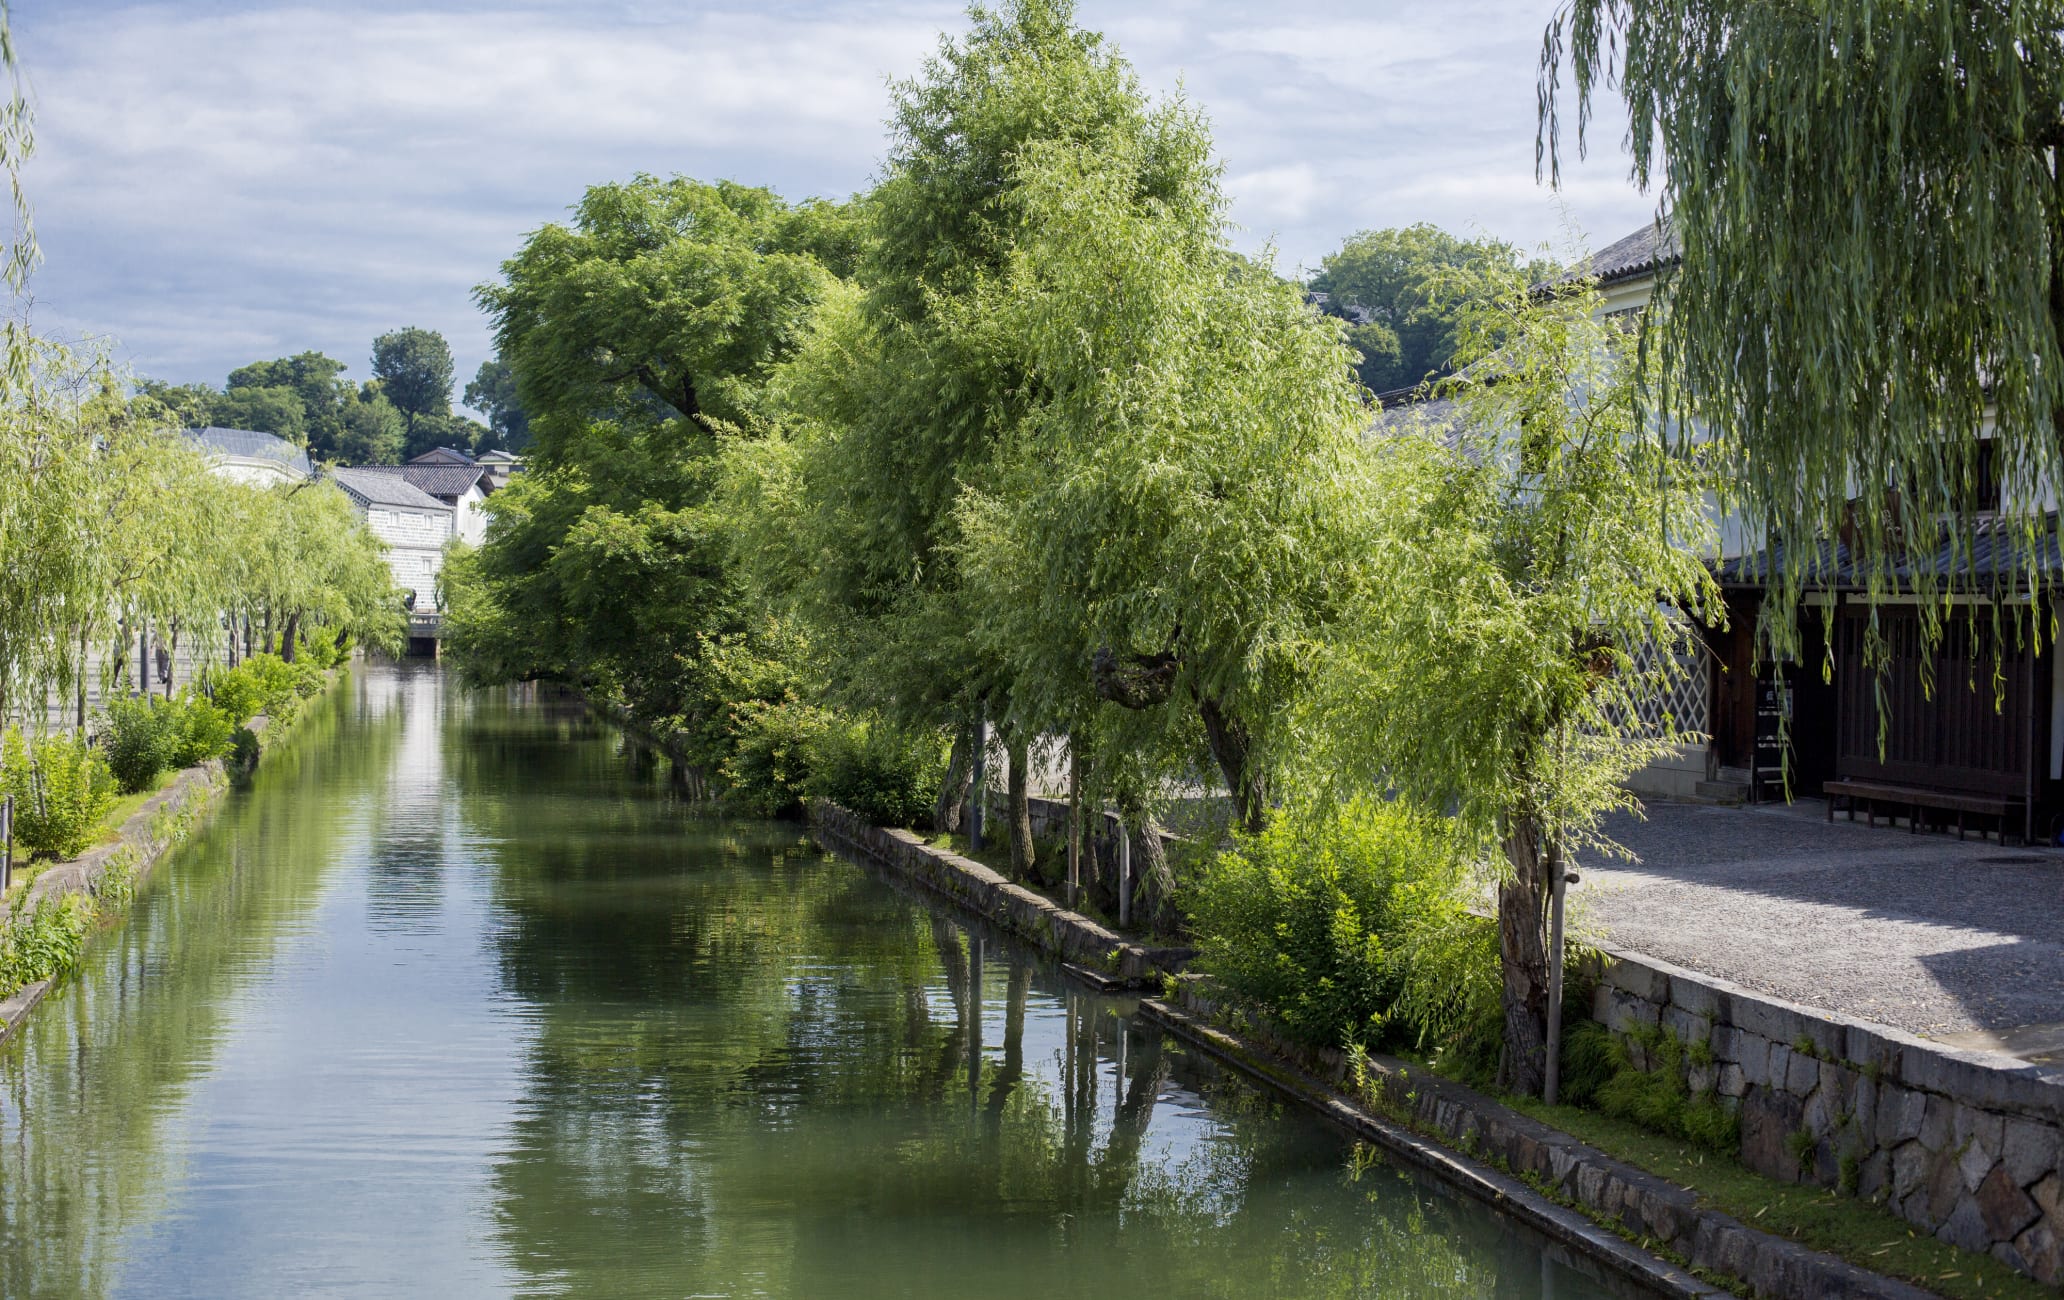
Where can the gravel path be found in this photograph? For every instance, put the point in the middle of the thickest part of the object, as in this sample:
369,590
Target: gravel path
1918,931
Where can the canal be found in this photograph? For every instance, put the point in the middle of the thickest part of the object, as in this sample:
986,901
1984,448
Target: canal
465,997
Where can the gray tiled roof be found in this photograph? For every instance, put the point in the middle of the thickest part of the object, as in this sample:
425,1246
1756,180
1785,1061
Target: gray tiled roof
443,456
1641,253
439,480
252,445
383,485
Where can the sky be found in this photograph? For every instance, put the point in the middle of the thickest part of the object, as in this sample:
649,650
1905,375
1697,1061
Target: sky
216,183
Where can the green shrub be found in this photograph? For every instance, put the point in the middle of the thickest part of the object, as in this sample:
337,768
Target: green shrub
870,770
243,750
60,790
265,684
205,733
43,943
1656,1092
769,770
236,692
143,736
1351,928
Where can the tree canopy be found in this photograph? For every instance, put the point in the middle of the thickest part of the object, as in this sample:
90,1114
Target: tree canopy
1405,290
1868,205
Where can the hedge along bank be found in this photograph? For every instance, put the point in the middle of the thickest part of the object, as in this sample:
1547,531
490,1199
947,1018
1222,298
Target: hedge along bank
46,923
1519,1165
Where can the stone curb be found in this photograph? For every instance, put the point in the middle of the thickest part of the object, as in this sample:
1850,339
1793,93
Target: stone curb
1009,906
1472,1124
1481,1182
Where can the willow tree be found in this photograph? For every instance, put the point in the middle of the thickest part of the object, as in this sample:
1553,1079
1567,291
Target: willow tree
914,388
1529,600
1174,512
1869,202
643,337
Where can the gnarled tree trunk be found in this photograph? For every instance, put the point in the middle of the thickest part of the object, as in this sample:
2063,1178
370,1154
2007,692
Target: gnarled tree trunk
1523,952
289,635
1233,748
1019,784
953,792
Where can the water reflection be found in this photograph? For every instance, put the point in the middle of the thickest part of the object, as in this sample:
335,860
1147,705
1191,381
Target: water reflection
470,997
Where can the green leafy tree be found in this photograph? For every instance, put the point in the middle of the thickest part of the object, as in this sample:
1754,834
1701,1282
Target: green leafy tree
1862,292
1413,284
268,410
642,339
1177,504
493,394
909,388
370,432
1533,582
314,380
414,370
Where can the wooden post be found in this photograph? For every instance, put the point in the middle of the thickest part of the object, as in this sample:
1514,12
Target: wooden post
1557,887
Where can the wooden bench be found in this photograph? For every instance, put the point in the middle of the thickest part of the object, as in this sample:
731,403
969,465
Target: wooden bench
1917,800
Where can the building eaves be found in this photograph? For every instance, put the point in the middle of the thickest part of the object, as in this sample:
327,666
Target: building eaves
384,485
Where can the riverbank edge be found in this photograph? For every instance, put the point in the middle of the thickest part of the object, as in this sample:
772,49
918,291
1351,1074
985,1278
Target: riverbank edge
1617,1215
146,836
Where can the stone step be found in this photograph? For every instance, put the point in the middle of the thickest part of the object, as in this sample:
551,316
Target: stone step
1723,791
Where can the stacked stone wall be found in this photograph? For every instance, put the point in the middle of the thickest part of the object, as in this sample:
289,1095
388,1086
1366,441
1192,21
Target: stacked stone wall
1968,1146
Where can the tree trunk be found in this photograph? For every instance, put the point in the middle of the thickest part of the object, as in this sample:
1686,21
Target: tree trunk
268,629
288,635
1233,748
1019,751
953,792
1523,957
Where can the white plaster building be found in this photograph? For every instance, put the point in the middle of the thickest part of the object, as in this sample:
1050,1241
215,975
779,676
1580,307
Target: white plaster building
414,524
248,456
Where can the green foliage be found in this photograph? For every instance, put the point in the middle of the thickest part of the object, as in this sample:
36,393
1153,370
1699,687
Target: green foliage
1350,927
144,732
885,777
493,393
1414,285
413,367
771,765
45,941
1864,295
205,733
1654,1091
264,684
60,787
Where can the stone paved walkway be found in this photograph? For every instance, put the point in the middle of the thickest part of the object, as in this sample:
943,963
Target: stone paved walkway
1958,941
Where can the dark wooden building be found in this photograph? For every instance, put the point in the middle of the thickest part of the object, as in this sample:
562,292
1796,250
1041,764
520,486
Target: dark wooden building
1961,734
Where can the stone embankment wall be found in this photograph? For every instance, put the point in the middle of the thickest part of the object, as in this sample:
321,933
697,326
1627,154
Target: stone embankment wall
1968,1146
1011,907
1483,1148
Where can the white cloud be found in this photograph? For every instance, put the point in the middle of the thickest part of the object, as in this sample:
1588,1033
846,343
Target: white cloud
216,184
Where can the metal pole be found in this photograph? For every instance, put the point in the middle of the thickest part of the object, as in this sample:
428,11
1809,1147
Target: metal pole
981,778
1558,886
1124,875
1074,823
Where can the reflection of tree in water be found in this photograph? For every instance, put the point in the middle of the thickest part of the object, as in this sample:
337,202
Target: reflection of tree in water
754,1073
104,1065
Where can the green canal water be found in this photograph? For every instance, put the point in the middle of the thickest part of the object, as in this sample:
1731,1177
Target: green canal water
466,997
